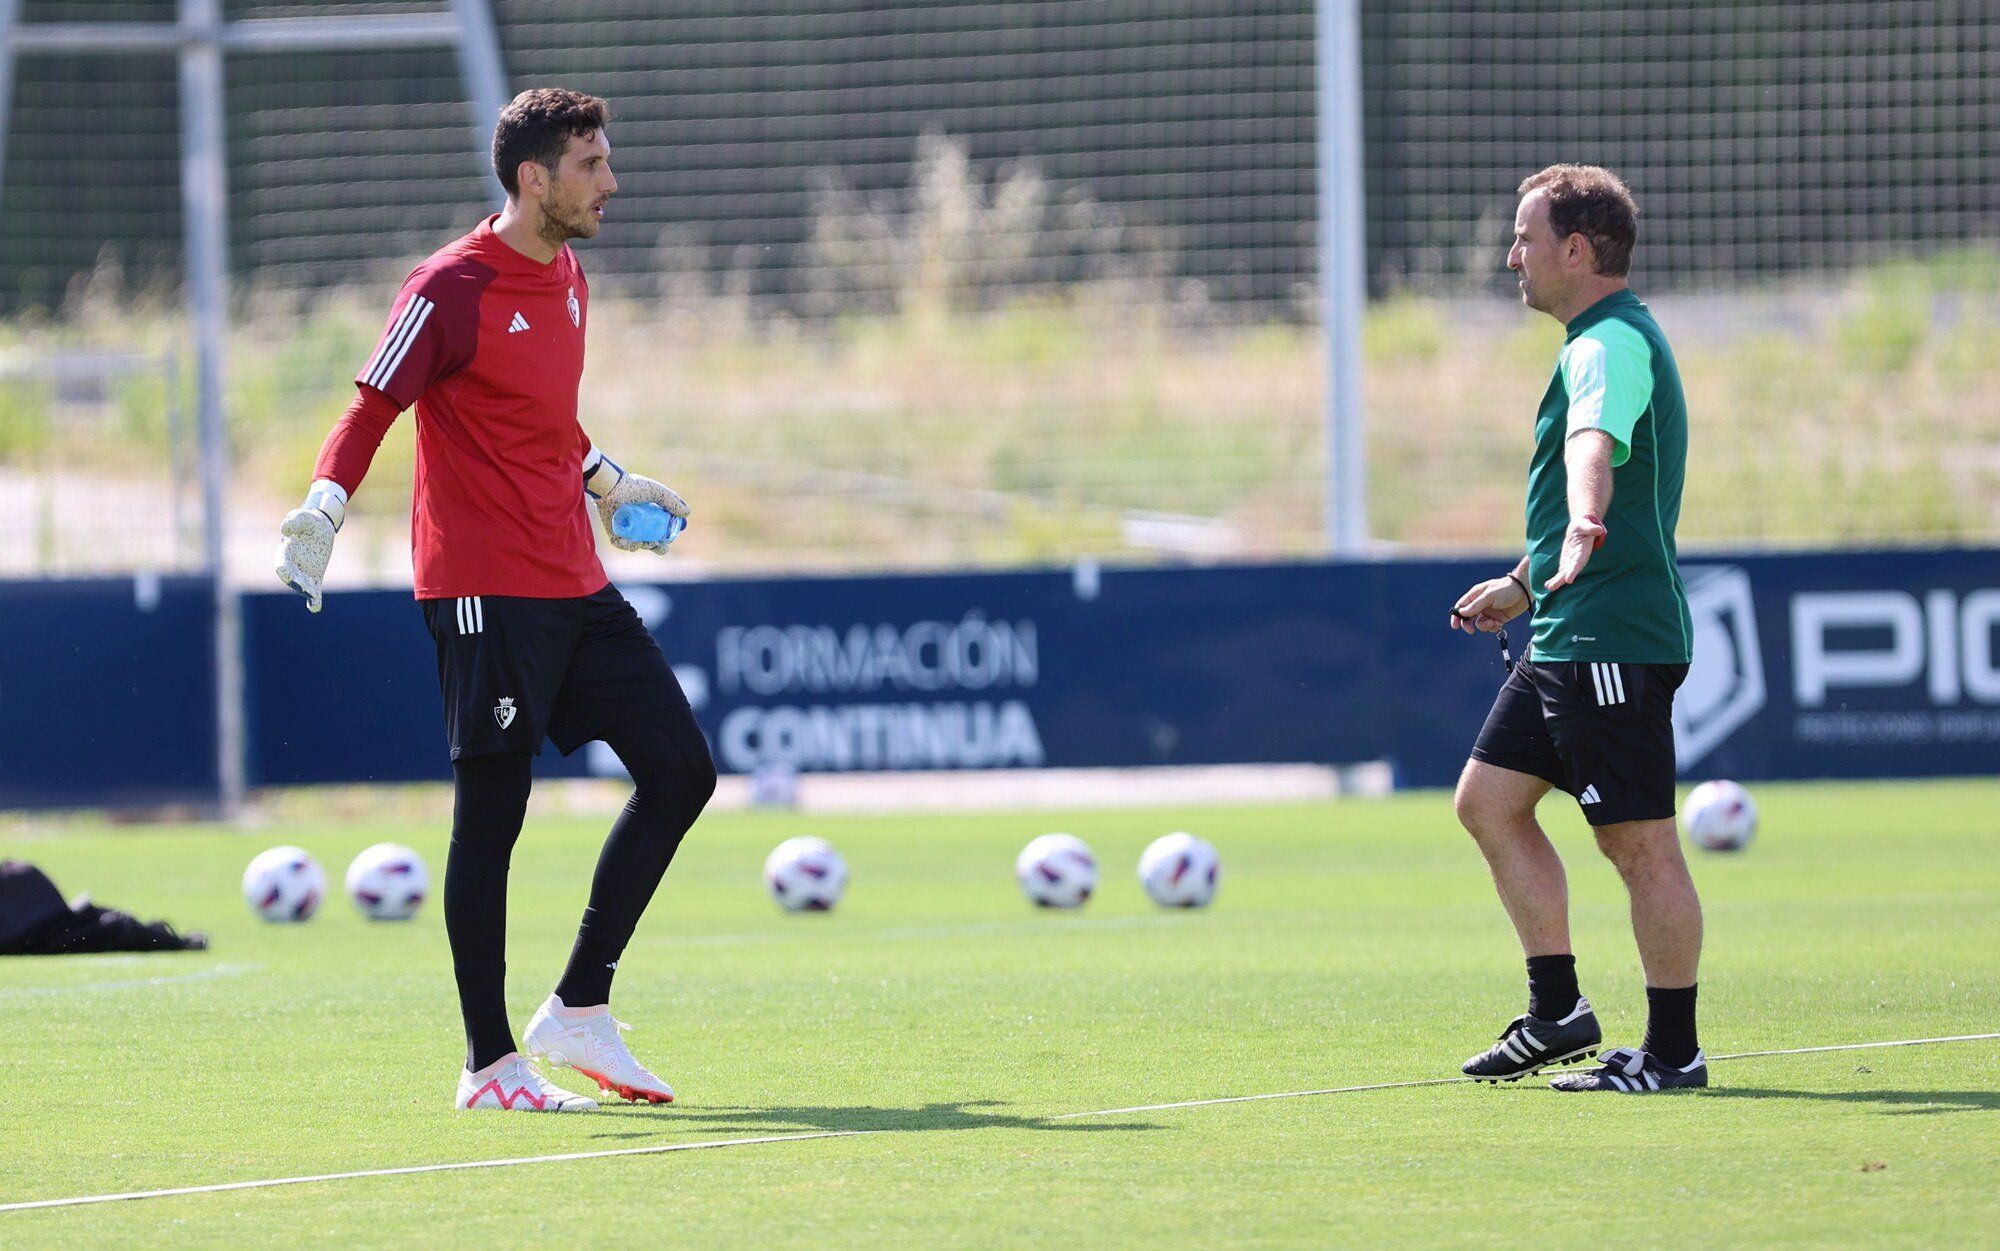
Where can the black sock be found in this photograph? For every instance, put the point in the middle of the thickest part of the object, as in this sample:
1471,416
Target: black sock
1552,992
674,776
1670,1037
490,802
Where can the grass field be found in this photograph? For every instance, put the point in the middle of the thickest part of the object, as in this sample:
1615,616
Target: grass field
1352,943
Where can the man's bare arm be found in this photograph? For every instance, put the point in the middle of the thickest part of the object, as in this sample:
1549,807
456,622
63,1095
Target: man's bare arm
1587,459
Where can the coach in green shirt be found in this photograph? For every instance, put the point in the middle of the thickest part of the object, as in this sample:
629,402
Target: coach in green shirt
1589,710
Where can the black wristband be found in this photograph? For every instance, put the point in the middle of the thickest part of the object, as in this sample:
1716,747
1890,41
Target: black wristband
1525,593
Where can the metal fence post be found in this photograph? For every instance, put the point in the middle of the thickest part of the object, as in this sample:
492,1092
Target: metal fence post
10,16
485,78
205,225
201,39
1342,268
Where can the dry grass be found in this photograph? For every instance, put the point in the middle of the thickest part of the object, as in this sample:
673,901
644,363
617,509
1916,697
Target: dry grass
991,375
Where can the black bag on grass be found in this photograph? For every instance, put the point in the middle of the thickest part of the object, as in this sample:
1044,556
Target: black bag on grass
35,921
29,902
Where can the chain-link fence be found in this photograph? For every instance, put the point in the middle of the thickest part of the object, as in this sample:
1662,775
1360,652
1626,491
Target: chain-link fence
1002,282
1772,137
1766,138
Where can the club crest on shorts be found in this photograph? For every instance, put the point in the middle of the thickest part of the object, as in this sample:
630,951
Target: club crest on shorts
503,712
575,309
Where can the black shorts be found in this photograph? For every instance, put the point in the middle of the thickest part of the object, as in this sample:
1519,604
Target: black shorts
1603,732
515,671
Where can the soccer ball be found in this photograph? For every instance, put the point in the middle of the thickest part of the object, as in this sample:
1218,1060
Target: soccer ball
387,882
1056,871
1721,816
284,884
1179,871
805,875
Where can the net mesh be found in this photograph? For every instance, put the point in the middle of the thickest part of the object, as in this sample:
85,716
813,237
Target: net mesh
1765,138
990,283
1819,187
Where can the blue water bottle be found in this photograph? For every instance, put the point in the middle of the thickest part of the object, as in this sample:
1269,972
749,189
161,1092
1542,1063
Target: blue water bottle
646,523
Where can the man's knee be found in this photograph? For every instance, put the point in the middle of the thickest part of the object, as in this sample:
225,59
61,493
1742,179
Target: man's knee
697,763
667,756
1486,806
490,792
1466,805
1635,847
701,771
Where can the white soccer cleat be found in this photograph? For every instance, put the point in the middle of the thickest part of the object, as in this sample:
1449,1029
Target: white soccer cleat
590,1044
513,1085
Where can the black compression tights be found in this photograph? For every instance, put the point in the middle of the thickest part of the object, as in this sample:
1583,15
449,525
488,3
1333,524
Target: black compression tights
674,777
669,761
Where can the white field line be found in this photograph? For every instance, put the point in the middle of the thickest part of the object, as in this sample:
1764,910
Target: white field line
856,1133
429,1168
1867,1046
168,979
1453,1081
1288,1094
1333,1090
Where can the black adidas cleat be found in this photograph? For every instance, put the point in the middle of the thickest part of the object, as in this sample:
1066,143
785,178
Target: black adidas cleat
1530,1044
1633,1072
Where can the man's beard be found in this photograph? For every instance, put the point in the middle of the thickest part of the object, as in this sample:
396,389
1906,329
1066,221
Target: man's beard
559,225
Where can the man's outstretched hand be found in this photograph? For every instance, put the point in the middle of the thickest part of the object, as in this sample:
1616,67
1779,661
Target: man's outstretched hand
305,543
1585,536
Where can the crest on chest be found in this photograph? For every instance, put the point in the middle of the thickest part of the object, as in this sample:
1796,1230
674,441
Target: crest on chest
575,310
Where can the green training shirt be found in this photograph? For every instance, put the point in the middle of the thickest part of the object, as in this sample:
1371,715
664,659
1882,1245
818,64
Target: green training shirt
1616,374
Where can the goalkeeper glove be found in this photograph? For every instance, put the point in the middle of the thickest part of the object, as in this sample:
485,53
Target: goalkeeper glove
612,488
308,540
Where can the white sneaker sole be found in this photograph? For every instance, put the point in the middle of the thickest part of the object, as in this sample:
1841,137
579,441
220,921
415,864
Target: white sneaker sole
629,1093
522,1102
606,1083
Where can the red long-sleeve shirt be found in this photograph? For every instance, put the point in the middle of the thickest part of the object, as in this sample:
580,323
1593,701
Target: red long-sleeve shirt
487,343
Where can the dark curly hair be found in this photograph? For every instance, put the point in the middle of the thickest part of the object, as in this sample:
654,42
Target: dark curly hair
1591,201
537,127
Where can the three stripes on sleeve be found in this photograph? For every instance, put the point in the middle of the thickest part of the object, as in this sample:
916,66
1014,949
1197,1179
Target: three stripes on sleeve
396,342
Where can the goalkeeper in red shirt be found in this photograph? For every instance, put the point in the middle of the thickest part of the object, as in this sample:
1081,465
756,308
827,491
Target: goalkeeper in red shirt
486,340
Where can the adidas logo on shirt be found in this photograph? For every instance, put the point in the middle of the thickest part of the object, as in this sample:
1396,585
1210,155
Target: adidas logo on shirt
516,326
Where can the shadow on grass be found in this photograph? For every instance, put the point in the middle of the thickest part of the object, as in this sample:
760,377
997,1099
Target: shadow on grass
1901,1102
975,1114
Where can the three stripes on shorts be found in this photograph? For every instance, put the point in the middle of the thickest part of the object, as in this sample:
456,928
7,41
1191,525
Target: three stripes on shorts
471,615
1610,683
